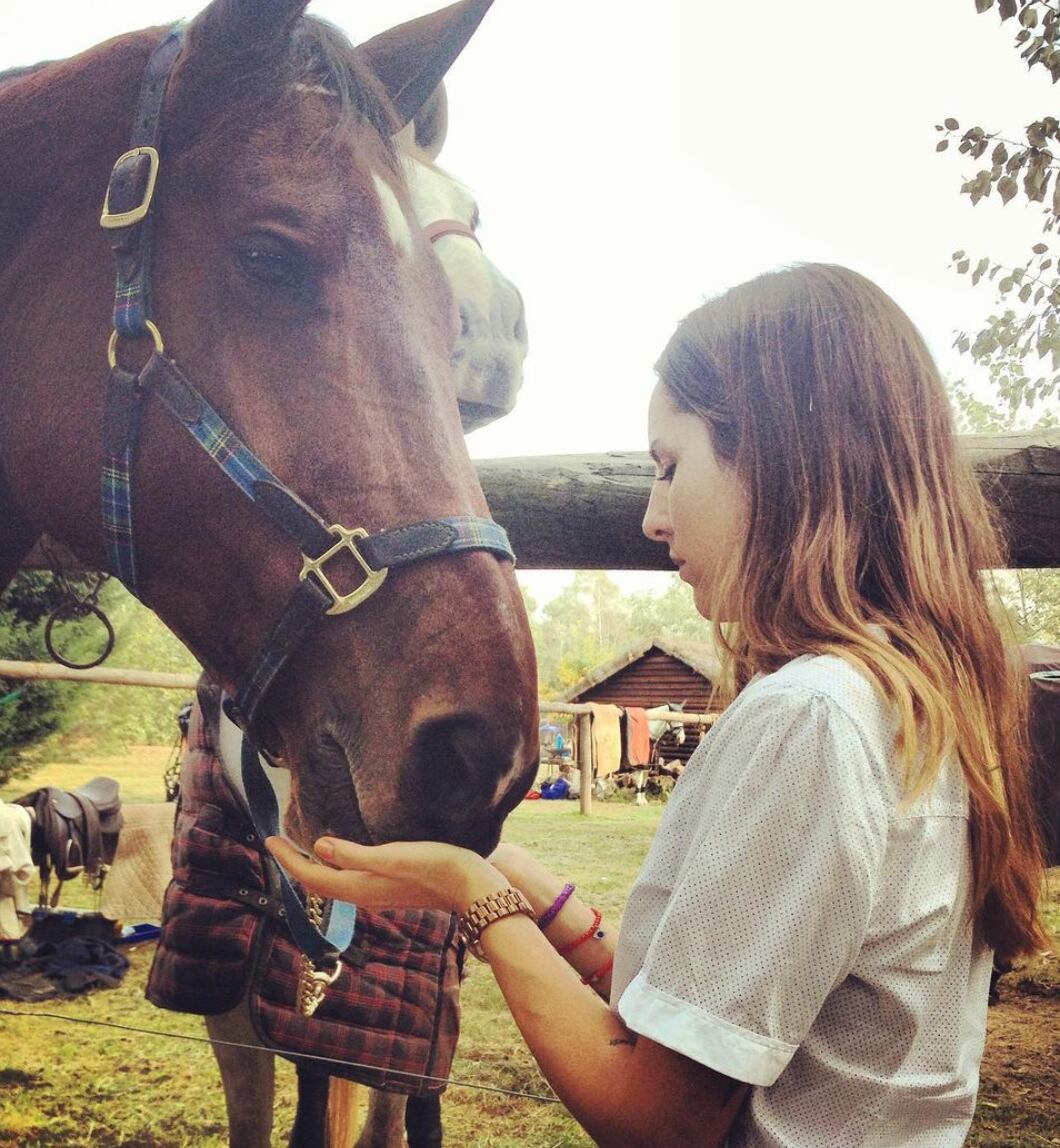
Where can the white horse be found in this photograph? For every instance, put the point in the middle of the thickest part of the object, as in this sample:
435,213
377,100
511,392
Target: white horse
487,364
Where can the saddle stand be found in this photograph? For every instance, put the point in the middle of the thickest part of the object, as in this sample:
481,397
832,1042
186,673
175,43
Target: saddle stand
75,832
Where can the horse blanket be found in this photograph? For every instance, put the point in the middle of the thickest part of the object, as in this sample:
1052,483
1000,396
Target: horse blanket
393,1013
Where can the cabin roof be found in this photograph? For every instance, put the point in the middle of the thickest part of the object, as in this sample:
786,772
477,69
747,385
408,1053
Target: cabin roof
701,657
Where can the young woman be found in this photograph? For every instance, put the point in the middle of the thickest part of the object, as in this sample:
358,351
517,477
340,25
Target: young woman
804,960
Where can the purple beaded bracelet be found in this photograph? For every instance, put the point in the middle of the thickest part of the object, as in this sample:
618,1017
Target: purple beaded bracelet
550,914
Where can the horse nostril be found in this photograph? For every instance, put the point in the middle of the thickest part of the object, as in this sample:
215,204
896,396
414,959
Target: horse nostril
456,771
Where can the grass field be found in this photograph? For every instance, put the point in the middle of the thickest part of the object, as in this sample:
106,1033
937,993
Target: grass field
66,1085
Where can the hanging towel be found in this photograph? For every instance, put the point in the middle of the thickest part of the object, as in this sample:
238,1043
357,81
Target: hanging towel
636,742
607,738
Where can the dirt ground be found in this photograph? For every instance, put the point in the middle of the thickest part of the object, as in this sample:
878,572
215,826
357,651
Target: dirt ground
1019,1097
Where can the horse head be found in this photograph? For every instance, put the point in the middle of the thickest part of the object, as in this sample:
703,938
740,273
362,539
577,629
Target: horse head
488,357
293,285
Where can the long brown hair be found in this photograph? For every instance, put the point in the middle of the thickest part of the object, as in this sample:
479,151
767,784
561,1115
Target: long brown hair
820,393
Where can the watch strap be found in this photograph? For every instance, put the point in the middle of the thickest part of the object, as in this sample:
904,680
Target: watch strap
482,913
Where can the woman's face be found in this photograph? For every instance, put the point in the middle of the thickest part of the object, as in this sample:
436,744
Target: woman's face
697,506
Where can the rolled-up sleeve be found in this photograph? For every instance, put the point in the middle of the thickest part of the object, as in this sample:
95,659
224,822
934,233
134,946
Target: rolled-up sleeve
770,905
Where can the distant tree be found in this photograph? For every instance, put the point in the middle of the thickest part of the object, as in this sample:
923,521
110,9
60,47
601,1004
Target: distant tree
582,626
29,710
671,614
1020,345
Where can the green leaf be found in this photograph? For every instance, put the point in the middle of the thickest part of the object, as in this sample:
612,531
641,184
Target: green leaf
1040,248
951,124
942,145
1029,17
1007,188
1006,9
999,154
962,267
982,6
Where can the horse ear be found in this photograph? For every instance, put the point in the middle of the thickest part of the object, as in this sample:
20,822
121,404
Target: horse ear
411,59
431,123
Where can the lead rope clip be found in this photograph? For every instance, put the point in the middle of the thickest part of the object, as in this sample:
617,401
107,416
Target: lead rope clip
313,983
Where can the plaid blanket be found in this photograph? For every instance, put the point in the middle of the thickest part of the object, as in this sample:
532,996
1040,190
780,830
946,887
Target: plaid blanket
394,1009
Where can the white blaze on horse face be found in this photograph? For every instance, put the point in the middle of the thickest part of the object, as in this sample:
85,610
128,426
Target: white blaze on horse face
396,223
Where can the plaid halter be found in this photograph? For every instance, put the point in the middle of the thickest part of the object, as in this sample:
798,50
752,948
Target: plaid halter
127,219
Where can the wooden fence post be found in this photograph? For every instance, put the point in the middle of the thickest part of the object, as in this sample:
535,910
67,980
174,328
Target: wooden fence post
585,762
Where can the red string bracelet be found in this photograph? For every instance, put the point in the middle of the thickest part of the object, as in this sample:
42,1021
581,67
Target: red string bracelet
600,973
598,919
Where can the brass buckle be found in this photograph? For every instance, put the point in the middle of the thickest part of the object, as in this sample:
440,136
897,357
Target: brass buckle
112,345
134,215
373,579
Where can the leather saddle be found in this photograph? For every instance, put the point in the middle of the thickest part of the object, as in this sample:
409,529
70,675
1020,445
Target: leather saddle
75,832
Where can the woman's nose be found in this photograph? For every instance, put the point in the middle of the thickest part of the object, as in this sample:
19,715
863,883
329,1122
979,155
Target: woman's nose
656,524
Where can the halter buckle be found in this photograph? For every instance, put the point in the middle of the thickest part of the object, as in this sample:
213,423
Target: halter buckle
373,579
112,220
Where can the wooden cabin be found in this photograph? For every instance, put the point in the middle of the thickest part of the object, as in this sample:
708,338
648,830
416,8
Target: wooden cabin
655,673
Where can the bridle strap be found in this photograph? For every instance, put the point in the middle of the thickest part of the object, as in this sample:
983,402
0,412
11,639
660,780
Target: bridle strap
127,206
127,216
321,948
434,231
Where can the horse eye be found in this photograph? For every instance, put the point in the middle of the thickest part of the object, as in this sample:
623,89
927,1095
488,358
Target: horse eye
271,262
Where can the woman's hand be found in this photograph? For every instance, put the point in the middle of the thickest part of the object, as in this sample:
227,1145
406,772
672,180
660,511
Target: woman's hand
402,874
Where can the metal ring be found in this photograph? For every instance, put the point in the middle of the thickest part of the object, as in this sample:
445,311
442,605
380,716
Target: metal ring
112,345
68,613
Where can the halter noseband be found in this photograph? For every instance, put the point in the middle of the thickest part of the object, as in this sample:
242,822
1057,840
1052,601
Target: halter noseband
127,218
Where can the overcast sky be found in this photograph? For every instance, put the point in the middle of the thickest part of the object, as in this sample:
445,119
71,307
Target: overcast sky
631,159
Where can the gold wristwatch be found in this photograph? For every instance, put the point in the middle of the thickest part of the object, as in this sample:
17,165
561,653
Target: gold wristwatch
486,910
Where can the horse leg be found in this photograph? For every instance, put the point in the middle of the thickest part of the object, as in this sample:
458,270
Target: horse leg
385,1125
343,1103
248,1077
311,1116
423,1121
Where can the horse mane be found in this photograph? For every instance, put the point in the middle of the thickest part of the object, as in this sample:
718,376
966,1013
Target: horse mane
323,56
13,74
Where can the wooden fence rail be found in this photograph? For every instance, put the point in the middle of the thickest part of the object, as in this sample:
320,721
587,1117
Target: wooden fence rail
578,512
583,511
116,676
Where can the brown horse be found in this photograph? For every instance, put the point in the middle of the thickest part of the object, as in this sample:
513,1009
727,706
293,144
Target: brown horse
294,288
487,362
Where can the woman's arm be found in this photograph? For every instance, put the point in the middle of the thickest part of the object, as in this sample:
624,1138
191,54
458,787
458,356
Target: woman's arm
625,1091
